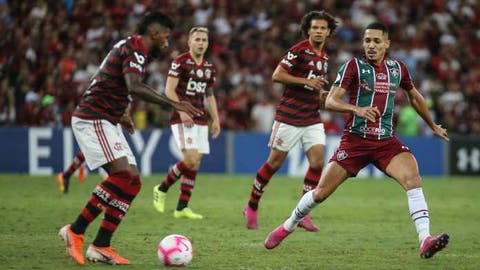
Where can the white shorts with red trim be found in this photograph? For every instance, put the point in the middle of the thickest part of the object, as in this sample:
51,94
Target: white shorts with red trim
101,142
284,136
195,137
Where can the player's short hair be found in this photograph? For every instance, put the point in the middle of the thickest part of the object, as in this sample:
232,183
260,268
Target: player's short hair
198,29
378,26
318,15
154,17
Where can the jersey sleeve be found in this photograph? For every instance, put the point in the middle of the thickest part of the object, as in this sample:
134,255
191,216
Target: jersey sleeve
289,60
175,68
406,80
134,59
213,79
347,75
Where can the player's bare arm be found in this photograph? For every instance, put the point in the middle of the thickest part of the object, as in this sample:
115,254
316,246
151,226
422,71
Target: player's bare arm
212,109
323,97
282,76
418,103
336,103
137,88
170,86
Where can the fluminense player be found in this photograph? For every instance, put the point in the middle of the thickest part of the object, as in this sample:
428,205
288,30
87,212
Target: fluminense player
94,125
369,136
303,71
191,78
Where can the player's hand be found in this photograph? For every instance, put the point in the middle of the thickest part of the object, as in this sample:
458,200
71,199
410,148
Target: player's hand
440,132
317,83
186,107
187,121
127,123
370,113
323,98
215,129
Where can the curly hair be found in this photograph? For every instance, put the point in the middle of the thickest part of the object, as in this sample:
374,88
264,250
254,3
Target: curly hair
154,17
318,15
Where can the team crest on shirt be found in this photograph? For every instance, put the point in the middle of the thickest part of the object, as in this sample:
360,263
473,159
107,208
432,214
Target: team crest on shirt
341,155
199,73
395,72
208,73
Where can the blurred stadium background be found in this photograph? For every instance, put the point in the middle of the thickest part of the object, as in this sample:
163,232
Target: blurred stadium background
50,49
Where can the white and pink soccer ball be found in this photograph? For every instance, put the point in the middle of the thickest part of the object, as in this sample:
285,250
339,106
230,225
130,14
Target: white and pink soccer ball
175,250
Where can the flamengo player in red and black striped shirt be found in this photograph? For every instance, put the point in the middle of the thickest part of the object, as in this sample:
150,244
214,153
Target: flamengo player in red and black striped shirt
94,124
371,84
303,71
191,78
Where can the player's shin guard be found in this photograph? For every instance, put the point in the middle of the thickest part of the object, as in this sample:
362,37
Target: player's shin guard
173,175
122,188
264,174
419,212
186,189
304,206
311,179
97,202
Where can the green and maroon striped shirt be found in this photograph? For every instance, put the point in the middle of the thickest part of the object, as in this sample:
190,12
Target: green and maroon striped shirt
371,85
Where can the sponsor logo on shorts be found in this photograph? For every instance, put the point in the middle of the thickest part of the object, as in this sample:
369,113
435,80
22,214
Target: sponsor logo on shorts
341,155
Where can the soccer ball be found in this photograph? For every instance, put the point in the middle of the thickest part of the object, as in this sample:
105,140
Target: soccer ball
175,250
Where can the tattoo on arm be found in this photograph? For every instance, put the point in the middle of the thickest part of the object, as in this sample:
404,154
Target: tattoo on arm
209,92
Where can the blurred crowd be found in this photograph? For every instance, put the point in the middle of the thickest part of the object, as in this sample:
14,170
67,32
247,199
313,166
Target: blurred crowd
50,49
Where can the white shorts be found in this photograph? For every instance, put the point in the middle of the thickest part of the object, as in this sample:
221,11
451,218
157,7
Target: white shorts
284,136
195,137
101,142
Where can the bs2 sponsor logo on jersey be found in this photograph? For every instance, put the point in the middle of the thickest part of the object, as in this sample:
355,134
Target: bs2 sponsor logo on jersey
194,86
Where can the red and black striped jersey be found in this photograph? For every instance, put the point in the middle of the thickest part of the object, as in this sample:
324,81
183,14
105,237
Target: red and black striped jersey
300,104
107,97
193,81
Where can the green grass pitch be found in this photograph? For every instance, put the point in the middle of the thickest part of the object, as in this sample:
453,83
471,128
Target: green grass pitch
364,225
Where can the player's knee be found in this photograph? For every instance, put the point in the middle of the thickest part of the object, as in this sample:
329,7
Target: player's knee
190,163
192,160
412,181
316,164
275,162
135,185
